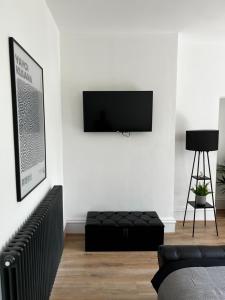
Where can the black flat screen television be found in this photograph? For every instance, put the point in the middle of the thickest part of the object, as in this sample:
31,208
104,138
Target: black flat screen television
124,111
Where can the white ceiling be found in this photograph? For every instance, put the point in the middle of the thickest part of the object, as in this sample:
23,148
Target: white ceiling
88,16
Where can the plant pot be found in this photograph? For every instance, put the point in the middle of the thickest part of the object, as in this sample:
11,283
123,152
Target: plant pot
200,200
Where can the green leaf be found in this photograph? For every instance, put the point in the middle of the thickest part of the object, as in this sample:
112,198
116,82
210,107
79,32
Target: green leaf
201,189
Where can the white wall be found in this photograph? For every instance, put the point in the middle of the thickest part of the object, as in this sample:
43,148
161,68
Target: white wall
220,196
107,171
30,23
200,86
221,151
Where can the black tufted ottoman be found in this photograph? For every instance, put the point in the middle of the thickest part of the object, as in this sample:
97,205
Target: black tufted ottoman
123,231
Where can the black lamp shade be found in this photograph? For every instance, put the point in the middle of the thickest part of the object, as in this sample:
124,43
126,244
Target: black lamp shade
202,140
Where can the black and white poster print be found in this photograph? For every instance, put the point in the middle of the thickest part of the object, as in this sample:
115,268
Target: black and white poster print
28,119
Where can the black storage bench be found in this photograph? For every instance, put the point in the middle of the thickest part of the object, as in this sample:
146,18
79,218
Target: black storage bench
123,231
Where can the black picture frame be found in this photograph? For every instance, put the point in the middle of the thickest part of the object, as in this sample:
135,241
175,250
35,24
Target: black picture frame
28,119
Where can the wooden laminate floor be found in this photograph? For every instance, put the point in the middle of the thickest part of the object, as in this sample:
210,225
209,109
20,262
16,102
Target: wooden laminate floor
120,275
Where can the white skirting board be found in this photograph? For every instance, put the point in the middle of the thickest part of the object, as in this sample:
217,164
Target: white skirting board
179,215
77,226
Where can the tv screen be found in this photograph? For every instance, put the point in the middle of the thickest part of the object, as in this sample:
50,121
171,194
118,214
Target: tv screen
117,111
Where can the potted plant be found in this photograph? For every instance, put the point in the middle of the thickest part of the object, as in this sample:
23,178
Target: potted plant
201,191
221,177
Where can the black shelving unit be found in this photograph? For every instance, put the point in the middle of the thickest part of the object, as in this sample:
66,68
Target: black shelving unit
198,177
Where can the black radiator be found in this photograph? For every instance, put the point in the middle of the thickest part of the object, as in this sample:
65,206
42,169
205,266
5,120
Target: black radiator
29,262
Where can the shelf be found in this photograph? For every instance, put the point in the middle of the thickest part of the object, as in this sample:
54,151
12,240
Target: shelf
201,177
207,205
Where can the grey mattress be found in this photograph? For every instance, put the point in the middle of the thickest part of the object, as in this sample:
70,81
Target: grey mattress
194,283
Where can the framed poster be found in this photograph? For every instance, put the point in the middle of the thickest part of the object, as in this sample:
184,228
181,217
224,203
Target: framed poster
28,119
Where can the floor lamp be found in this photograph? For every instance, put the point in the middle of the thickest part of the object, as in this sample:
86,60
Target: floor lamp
201,142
